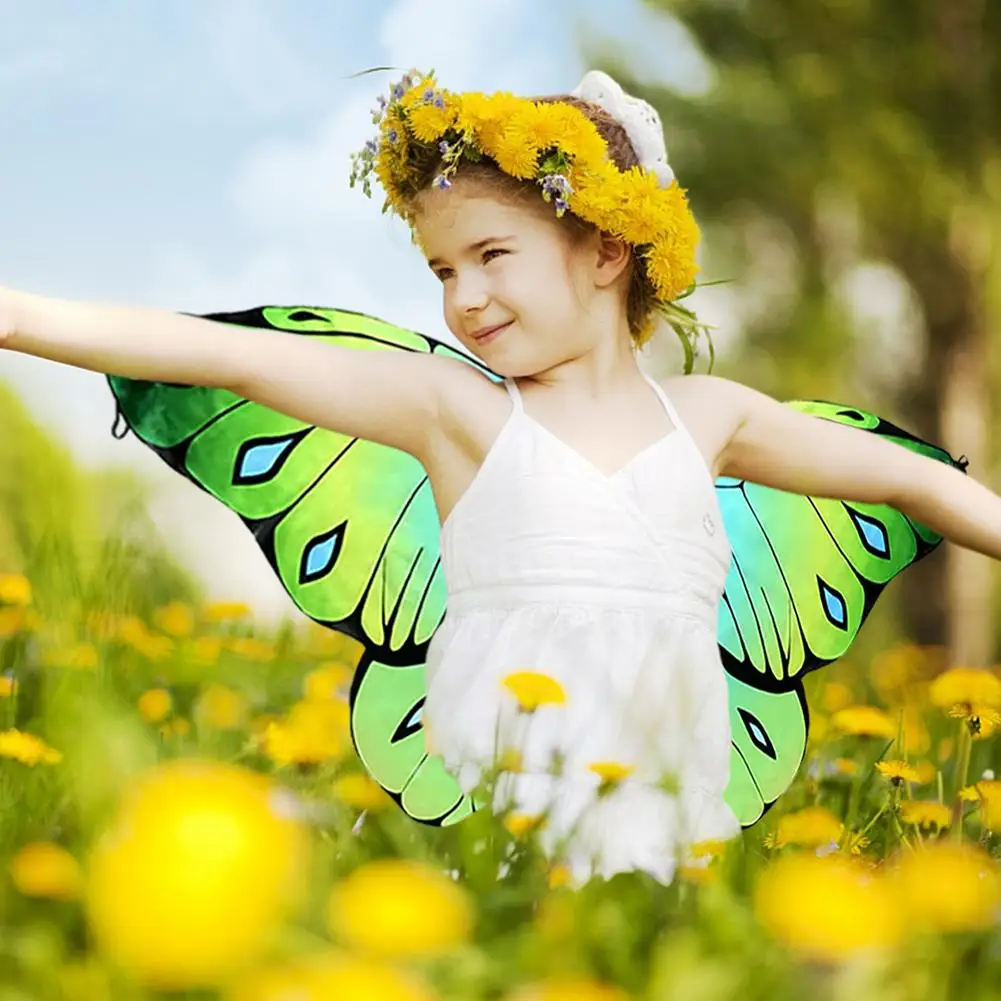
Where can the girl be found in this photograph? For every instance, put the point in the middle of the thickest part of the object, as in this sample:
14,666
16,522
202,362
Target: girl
582,541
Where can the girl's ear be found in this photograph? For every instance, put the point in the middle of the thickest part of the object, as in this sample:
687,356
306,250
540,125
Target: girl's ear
613,257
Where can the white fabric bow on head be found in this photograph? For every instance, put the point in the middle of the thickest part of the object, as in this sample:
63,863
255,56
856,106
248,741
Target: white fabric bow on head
637,117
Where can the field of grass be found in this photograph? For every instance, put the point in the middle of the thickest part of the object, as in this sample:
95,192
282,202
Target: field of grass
180,807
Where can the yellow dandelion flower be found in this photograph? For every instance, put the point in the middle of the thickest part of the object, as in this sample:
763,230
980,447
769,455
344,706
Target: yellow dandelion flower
12,621
155,704
225,611
251,648
521,824
27,748
428,123
966,686
361,792
948,887
401,909
898,772
812,826
196,874
700,874
221,708
709,848
326,976
925,813
533,690
538,126
44,869
846,767
611,772
515,156
835,696
558,876
15,589
987,795
205,650
8,686
486,116
312,733
579,135
864,721
827,909
981,720
914,736
511,760
925,770
175,619
177,727
329,681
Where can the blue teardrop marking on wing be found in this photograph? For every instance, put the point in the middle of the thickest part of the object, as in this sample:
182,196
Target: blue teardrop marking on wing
261,459
320,555
410,724
872,534
756,731
833,604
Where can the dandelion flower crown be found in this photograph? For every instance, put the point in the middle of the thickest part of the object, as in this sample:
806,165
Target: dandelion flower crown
558,147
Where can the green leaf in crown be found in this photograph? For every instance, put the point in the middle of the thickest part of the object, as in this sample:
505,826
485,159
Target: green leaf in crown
350,528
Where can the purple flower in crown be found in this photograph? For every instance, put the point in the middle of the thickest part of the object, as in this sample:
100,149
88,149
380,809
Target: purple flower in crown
443,148
393,135
372,147
442,183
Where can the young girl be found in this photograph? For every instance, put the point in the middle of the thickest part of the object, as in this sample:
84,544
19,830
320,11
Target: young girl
582,539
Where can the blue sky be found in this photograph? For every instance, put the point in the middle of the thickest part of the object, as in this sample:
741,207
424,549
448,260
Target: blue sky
193,155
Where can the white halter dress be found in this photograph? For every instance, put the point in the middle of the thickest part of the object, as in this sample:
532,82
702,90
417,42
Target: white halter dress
610,584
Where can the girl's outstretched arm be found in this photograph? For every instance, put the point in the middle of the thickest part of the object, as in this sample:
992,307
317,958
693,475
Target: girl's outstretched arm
392,397
776,446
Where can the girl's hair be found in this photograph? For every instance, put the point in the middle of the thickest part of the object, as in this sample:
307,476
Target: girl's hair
489,177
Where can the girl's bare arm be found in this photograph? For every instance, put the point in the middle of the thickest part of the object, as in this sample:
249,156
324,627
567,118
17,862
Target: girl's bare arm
393,397
776,446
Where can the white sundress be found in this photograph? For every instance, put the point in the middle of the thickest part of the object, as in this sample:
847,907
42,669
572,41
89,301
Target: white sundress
610,584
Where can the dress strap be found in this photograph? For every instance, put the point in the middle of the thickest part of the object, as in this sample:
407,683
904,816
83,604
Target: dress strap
666,402
515,393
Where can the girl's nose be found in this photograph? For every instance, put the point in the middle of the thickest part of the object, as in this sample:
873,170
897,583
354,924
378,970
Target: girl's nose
470,292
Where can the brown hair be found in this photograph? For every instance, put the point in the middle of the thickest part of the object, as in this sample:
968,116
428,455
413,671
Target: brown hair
486,174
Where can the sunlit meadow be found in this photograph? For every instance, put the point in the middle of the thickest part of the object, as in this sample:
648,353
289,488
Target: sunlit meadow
182,812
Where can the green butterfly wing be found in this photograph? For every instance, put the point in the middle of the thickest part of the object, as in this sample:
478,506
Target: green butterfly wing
804,576
349,526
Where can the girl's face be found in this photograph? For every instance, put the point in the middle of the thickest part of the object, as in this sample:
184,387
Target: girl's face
505,266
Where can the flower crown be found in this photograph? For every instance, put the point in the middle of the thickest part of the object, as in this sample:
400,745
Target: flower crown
554,144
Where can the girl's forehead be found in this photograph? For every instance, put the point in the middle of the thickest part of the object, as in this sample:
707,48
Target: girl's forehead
448,217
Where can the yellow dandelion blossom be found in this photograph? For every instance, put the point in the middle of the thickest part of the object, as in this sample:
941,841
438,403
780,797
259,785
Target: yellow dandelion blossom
44,869
15,589
521,824
579,135
898,772
925,813
827,909
709,848
987,795
948,887
835,696
221,708
155,704
914,737
699,874
205,650
12,621
177,727
401,909
77,657
981,720
515,156
428,122
812,826
312,733
966,686
175,619
27,748
533,689
864,721
486,115
329,681
846,767
8,686
539,126
611,772
225,611
361,792
511,760
558,876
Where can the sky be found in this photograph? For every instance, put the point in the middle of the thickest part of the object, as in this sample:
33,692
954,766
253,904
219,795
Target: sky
194,156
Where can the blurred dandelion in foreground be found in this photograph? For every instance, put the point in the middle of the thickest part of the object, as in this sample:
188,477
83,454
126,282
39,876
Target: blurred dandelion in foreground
195,874
27,748
827,909
568,989
927,814
400,908
44,869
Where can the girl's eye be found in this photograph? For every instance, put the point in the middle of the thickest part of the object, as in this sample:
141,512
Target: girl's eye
496,250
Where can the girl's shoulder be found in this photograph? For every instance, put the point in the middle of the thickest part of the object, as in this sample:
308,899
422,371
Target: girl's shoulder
709,407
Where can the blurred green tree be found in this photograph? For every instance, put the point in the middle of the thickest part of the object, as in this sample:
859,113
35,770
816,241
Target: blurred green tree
845,164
